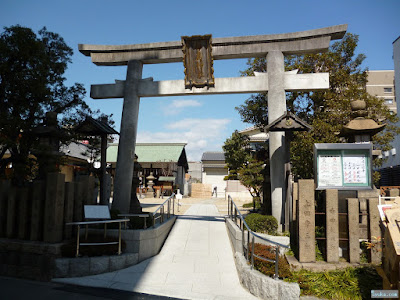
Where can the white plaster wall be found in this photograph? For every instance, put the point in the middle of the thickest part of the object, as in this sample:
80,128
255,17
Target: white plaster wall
214,177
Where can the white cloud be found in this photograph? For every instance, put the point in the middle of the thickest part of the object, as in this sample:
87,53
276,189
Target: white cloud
178,106
200,135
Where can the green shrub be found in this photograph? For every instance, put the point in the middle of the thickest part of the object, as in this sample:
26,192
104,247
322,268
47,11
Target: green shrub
268,268
351,283
262,223
251,205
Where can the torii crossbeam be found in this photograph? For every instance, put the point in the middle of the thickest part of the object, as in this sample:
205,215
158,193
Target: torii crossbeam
276,82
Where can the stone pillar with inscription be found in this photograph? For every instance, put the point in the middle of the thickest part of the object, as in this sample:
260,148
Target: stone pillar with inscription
353,226
294,229
332,226
375,235
306,221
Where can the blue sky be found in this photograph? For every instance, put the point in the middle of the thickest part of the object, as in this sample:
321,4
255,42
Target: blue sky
204,122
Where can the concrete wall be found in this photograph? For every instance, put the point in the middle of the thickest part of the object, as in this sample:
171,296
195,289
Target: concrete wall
235,236
262,286
237,191
195,170
146,243
85,266
255,282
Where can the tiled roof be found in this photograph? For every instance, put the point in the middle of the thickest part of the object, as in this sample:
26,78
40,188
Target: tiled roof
75,150
219,156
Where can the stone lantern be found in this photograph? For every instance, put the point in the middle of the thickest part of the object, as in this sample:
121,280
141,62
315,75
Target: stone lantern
150,183
47,152
360,129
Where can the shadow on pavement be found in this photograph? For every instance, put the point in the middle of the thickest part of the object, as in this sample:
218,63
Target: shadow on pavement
13,288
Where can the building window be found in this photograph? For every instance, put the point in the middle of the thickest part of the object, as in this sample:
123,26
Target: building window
387,90
388,101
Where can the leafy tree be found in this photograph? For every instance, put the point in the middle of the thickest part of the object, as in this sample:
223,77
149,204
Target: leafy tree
327,110
251,175
250,166
237,153
32,82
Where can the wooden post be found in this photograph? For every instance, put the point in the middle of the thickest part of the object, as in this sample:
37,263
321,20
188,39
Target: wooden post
23,213
68,209
79,188
38,200
54,208
11,212
4,189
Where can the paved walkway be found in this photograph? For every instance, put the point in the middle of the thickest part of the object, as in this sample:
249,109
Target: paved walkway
196,262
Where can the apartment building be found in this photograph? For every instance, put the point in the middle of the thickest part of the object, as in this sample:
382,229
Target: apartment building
381,84
390,171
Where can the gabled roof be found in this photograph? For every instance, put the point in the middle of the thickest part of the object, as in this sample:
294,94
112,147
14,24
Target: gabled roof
94,127
288,122
216,156
152,152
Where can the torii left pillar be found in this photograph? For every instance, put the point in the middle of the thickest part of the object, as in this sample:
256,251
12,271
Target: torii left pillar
127,142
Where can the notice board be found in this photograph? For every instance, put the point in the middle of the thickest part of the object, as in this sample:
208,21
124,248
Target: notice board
343,166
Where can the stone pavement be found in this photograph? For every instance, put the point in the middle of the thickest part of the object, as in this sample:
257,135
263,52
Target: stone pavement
196,262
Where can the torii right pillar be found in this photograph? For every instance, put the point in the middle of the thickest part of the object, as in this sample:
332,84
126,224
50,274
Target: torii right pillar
277,153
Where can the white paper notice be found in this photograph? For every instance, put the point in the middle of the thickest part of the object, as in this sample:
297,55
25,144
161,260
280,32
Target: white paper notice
354,169
329,170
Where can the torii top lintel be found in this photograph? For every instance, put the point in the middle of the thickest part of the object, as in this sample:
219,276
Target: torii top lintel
310,41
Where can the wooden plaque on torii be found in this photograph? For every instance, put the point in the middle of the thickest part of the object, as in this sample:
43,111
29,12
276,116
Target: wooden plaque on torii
198,61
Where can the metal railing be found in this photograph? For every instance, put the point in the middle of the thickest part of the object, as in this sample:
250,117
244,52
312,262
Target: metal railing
160,212
247,245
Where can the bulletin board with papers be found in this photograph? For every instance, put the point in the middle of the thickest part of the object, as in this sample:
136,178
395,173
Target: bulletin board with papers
343,166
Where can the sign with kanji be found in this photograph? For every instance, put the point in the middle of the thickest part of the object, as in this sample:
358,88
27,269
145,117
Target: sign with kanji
198,61
343,166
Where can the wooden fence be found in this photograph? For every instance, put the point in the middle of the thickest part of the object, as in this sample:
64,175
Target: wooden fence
39,211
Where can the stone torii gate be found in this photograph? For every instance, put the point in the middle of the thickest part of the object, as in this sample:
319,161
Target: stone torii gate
276,82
